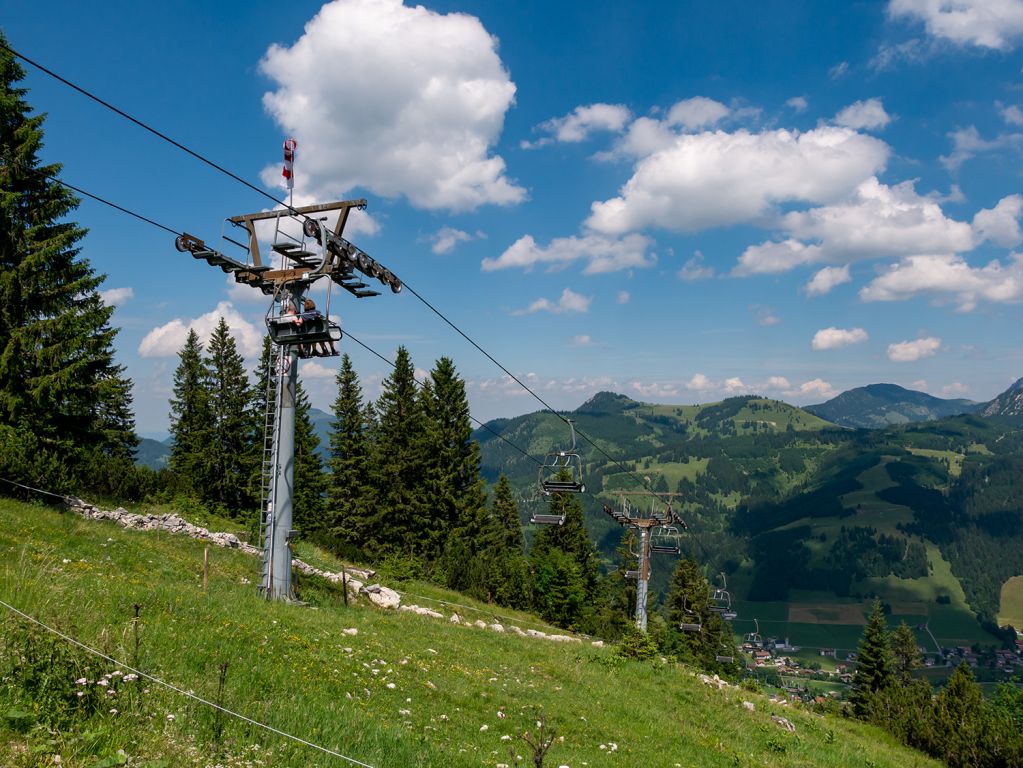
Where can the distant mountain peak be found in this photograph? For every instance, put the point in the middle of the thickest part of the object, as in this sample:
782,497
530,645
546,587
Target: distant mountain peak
1009,403
876,406
607,402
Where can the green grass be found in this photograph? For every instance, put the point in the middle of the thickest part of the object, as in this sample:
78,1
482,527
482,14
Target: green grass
294,668
1010,609
955,459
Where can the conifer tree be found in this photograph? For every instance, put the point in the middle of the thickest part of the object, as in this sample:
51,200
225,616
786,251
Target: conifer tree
399,517
565,570
310,482
459,518
191,418
504,550
229,452
905,653
874,667
689,602
349,460
58,379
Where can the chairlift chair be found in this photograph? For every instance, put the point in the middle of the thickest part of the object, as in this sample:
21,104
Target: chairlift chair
693,625
665,539
562,471
754,638
721,601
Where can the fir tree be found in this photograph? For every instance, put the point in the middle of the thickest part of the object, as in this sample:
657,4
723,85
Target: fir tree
229,453
58,379
874,667
348,493
191,418
310,482
905,653
398,521
689,602
459,518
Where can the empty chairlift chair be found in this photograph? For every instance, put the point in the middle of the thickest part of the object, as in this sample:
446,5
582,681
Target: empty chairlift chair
665,539
562,471
690,621
721,601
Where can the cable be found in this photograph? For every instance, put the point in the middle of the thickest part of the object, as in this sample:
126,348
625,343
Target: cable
473,418
415,293
37,490
143,125
115,206
175,689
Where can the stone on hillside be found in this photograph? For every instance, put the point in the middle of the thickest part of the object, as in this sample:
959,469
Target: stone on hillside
784,722
517,630
497,627
350,631
480,624
382,596
597,643
421,611
535,633
455,619
564,639
228,540
750,706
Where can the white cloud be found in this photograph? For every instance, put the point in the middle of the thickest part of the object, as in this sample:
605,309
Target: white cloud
889,54
967,143
910,351
570,301
993,24
716,178
1011,114
657,390
397,99
775,382
840,70
113,297
951,276
603,254
826,279
1000,224
446,238
580,123
860,115
771,257
764,315
311,369
582,340
697,112
815,388
833,338
695,269
168,339
880,221
623,297
699,383
735,385
955,389
798,103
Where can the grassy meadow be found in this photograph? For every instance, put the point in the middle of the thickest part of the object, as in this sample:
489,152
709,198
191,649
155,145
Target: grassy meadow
385,688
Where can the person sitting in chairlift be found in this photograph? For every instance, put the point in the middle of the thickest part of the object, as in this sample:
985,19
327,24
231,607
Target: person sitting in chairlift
323,348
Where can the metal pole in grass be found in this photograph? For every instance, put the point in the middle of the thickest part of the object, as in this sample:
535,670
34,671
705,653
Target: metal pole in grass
205,568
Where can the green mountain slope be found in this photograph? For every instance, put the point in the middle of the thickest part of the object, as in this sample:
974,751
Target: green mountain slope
883,405
386,688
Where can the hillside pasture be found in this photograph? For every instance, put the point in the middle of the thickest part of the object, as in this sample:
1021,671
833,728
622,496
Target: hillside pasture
827,613
953,458
1010,607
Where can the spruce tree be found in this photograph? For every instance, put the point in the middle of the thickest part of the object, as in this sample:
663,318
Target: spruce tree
399,518
348,493
58,379
905,653
874,666
229,452
310,482
191,419
689,602
503,551
458,514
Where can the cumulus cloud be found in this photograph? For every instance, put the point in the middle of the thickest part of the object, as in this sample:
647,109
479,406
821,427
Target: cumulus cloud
996,24
580,123
771,258
655,390
717,178
312,369
950,276
910,351
816,388
1000,224
833,338
695,269
968,143
397,99
113,297
869,115
446,238
168,339
798,103
697,112
570,301
602,254
735,385
826,279
1011,114
699,383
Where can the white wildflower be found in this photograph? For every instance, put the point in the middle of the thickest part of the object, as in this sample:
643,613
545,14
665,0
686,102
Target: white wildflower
391,686
484,728
81,681
170,717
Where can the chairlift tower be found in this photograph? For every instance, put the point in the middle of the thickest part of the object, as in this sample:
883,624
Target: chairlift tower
307,251
660,530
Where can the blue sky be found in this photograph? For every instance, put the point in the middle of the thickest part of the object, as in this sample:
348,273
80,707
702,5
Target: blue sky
678,201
